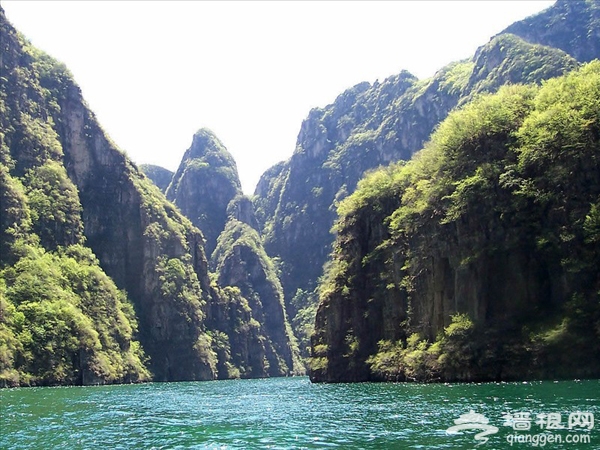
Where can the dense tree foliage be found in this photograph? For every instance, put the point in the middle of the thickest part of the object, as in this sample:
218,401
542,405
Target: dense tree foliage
511,177
62,319
368,126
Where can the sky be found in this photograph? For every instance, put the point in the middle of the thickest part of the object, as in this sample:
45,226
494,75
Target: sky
155,72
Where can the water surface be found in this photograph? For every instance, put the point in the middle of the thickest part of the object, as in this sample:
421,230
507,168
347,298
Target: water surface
291,413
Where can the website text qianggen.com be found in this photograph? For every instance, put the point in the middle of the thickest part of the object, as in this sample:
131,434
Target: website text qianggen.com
541,439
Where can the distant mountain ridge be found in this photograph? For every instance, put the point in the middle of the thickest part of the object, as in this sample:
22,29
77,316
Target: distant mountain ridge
102,280
160,176
571,26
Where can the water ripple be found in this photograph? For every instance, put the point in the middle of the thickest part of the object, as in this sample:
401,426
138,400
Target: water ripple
274,414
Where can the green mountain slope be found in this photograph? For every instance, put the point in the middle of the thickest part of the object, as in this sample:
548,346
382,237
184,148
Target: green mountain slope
79,212
101,278
62,319
255,335
478,259
366,127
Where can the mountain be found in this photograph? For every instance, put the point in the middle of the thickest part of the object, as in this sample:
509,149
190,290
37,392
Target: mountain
240,261
572,26
84,219
368,126
480,258
102,279
207,189
160,176
475,260
204,184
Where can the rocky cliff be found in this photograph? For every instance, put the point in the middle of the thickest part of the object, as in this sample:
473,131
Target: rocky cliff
259,342
365,328
51,138
241,262
572,26
160,176
478,259
366,127
204,184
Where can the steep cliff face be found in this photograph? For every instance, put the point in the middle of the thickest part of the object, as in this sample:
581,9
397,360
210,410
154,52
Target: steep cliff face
240,261
570,25
204,184
248,315
141,242
160,176
477,260
357,312
148,248
296,209
366,127
473,280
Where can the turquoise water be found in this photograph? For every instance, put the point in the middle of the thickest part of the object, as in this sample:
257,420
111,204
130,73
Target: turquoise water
291,413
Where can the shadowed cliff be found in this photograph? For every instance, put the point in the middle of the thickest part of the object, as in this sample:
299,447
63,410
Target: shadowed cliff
479,258
372,125
257,340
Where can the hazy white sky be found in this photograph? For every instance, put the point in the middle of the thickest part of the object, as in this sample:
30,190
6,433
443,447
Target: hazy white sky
154,72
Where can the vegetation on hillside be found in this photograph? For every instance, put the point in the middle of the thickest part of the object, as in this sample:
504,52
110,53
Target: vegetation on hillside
62,319
369,126
514,173
240,262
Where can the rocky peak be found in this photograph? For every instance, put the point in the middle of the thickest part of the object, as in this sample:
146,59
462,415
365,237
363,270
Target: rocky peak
207,147
204,184
570,25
